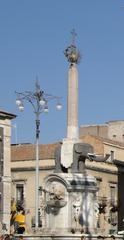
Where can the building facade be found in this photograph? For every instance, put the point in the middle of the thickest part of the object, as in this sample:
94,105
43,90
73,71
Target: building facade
111,135
113,130
5,169
23,175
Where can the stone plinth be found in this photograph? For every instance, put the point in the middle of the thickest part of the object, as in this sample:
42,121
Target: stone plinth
68,236
69,204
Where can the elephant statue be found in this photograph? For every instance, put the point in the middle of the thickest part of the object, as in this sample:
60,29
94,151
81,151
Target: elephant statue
98,158
81,152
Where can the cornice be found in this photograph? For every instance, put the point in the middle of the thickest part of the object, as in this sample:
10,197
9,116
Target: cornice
29,169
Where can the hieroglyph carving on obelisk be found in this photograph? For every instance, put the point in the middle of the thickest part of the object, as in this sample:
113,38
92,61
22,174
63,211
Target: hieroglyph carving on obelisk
73,57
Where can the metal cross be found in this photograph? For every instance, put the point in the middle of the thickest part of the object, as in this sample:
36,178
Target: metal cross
37,84
74,34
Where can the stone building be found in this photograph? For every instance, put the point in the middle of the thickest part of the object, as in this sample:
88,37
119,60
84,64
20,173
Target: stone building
113,130
5,169
107,176
111,135
109,217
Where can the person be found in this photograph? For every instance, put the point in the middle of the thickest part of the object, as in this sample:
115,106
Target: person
19,221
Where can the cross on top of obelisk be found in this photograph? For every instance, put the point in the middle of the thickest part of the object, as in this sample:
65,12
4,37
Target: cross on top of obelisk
74,35
71,52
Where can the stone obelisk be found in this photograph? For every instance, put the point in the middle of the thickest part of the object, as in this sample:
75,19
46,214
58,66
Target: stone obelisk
73,57
72,112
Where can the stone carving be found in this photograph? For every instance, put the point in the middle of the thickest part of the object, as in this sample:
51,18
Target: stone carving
81,152
76,209
96,211
56,196
67,152
70,200
98,158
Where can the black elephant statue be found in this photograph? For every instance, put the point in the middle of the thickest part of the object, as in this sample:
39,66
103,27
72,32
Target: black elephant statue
81,152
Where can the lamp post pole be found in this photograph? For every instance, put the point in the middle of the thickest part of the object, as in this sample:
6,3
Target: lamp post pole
37,170
39,101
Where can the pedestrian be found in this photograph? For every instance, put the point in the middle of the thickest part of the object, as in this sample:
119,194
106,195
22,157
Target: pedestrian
19,221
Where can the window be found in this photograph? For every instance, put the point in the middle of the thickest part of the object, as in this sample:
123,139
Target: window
112,193
99,180
113,218
20,194
112,156
113,204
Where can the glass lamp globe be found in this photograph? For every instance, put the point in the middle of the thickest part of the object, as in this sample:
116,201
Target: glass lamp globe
42,102
18,102
59,106
21,107
46,109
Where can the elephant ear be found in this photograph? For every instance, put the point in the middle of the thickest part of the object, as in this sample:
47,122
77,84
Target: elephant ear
83,148
78,147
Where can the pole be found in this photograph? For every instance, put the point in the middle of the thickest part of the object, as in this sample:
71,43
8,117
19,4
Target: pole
39,101
37,172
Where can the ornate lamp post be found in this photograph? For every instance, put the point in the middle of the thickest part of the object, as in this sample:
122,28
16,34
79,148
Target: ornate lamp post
39,101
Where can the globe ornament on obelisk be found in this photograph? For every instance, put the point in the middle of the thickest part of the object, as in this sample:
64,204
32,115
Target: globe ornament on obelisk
73,56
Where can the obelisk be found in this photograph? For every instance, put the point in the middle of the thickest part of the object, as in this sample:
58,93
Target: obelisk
73,57
72,103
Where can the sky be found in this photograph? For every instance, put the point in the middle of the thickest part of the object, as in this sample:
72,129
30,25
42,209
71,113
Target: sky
33,36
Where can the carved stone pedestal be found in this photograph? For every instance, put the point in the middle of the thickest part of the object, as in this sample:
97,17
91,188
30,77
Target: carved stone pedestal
69,204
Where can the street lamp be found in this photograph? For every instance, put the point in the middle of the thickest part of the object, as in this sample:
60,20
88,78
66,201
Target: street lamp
39,101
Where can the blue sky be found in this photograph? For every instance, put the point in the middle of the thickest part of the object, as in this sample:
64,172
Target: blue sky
33,36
